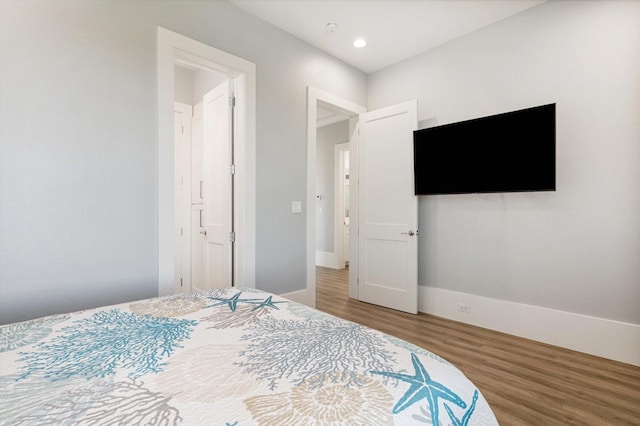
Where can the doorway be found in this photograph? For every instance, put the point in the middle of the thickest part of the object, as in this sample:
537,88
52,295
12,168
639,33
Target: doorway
332,142
383,206
326,102
175,49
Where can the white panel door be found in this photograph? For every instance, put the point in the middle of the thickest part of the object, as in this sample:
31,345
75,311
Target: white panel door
388,209
218,202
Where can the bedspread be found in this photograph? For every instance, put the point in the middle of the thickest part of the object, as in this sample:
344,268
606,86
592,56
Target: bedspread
229,357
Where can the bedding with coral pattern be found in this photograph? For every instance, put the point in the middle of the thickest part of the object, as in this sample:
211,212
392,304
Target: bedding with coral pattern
223,357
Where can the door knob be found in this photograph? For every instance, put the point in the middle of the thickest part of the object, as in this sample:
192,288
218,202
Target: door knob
203,232
410,233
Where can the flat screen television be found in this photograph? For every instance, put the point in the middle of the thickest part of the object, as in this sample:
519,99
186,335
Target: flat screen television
510,152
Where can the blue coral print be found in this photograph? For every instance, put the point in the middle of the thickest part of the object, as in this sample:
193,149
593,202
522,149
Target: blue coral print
108,341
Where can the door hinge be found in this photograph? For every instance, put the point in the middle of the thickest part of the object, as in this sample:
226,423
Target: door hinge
182,129
180,282
232,236
181,231
232,101
232,169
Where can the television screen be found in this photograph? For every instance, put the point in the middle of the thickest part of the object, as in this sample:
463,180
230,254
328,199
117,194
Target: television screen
514,151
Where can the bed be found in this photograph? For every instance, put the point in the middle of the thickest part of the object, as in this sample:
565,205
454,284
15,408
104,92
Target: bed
228,357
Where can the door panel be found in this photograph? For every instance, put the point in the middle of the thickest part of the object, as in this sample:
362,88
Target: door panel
218,202
388,209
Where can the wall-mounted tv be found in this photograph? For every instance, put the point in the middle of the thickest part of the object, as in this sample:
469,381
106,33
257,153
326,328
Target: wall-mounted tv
510,152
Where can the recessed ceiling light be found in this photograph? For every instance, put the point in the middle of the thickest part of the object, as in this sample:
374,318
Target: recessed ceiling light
360,42
331,27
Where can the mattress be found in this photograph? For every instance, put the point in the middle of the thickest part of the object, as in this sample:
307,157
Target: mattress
229,357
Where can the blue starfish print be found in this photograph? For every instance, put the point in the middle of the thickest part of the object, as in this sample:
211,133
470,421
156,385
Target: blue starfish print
267,303
231,301
422,387
467,415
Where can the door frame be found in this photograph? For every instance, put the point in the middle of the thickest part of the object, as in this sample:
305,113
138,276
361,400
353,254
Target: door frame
315,95
339,204
183,207
174,48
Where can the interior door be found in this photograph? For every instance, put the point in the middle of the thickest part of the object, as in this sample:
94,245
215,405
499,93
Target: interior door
388,208
218,201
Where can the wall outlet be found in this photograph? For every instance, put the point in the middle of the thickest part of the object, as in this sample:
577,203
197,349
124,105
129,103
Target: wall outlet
463,307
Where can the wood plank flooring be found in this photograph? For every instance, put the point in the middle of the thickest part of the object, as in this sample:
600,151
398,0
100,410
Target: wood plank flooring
525,382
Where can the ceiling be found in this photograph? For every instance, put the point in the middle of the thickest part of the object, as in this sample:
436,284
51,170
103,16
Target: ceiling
394,29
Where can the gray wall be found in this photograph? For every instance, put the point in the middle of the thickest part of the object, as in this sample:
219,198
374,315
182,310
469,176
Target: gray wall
183,85
326,140
78,150
576,249
191,86
205,81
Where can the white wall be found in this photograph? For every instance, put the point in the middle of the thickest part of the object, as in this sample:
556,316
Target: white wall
327,138
576,249
78,152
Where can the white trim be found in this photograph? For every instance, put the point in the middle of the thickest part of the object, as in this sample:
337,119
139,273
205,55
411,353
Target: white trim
314,96
332,119
596,336
301,296
172,48
328,260
354,146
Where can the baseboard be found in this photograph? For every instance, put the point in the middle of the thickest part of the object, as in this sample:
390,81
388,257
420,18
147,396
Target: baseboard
306,297
597,336
327,260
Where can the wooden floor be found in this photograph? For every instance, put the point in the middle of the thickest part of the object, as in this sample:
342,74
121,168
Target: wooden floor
525,382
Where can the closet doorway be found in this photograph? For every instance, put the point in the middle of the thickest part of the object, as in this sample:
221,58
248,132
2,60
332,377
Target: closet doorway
180,195
204,179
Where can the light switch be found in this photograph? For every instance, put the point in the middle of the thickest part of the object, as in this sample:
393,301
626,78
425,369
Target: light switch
296,207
